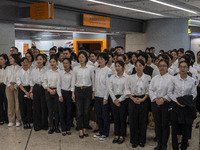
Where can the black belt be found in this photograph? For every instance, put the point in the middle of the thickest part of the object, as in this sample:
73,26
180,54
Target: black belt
140,96
83,87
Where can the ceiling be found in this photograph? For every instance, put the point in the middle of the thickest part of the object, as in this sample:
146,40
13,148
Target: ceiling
145,5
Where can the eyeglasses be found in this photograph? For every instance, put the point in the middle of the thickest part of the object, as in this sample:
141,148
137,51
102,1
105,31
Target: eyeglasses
183,67
162,66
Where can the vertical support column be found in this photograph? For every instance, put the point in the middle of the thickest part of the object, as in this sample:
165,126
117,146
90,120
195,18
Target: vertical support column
167,34
7,37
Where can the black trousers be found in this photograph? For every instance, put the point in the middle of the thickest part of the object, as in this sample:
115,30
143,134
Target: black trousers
175,128
40,112
83,99
103,118
25,105
161,116
52,105
65,110
138,117
3,104
120,117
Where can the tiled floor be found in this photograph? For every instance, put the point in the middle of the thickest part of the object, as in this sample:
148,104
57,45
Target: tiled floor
16,138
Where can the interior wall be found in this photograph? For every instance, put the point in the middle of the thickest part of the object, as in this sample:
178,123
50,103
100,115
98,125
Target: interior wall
195,44
135,41
116,40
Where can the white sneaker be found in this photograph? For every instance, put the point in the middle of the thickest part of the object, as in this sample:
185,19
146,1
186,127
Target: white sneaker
102,138
96,135
18,124
11,124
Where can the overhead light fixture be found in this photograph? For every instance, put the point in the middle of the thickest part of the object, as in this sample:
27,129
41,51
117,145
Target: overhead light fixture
173,6
123,7
195,21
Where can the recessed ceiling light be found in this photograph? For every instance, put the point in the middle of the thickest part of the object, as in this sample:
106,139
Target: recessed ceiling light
123,7
173,6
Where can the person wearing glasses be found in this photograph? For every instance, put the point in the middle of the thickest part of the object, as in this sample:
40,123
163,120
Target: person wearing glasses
161,104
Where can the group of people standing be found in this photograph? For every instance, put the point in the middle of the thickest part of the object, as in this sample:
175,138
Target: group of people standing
129,85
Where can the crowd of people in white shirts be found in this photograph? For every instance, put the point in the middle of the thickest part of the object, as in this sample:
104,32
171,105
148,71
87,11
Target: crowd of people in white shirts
51,91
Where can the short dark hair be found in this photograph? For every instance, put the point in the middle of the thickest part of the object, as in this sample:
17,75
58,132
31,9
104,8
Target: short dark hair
121,55
93,53
52,49
111,54
84,53
169,55
15,48
53,56
32,58
73,56
164,60
174,50
140,61
60,49
67,49
69,60
24,58
121,63
198,52
129,54
119,47
181,50
188,64
143,54
104,56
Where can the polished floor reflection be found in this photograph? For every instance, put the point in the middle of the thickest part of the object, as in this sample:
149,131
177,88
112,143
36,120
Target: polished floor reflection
16,138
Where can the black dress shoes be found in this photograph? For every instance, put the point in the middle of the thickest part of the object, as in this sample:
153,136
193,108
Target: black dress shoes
121,140
81,136
25,126
64,133
134,145
51,131
141,144
57,130
86,135
115,140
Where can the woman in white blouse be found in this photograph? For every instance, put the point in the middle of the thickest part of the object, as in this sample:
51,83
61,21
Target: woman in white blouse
119,102
182,91
40,112
30,58
65,97
25,103
82,87
12,91
158,92
101,76
137,88
3,101
50,85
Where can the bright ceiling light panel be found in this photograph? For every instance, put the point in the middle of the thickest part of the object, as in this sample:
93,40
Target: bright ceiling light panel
173,6
123,7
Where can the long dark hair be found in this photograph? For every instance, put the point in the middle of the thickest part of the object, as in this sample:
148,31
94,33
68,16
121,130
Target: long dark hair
5,56
16,58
